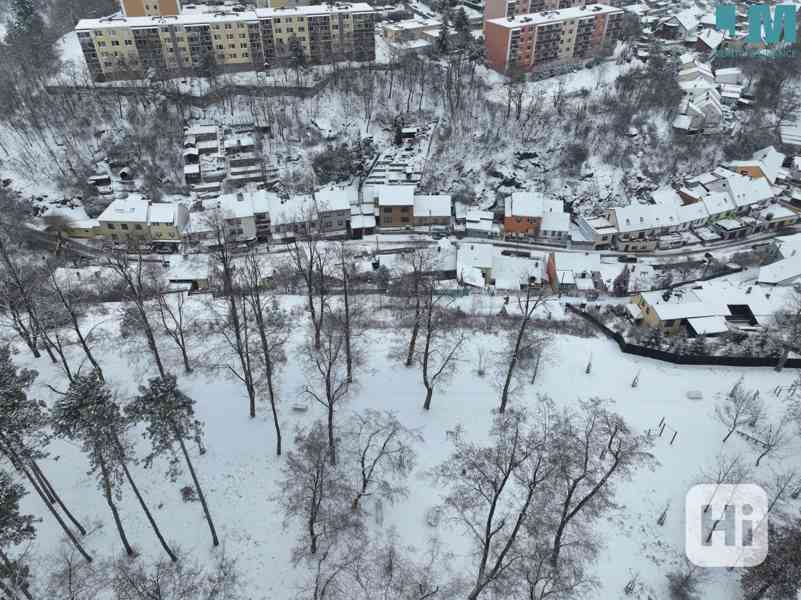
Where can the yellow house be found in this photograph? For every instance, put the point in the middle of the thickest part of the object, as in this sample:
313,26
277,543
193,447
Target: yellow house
85,229
167,221
125,220
671,311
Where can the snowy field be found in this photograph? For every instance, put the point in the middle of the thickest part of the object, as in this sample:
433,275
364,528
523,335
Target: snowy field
239,471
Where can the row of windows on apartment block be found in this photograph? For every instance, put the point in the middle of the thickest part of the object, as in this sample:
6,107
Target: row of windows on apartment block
289,20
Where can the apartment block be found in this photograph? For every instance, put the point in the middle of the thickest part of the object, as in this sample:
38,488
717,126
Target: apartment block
205,41
496,9
150,8
527,41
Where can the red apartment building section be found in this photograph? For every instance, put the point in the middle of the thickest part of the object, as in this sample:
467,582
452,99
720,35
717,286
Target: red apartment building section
598,31
496,40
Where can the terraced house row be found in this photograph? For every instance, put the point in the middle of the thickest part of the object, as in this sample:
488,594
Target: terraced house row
208,40
567,35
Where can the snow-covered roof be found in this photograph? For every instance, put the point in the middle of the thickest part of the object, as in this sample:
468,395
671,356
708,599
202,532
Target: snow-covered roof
510,272
434,205
577,262
745,191
554,16
683,122
336,198
556,221
524,204
711,38
162,213
133,209
666,196
220,16
692,212
782,272
394,195
235,206
188,267
639,217
718,202
708,325
771,161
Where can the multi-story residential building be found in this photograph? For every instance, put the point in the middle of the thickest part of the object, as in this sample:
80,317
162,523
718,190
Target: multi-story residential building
496,9
527,41
394,203
167,221
434,210
206,41
125,220
150,8
532,214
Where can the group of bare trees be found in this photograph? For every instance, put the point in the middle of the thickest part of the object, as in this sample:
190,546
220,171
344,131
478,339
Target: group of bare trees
528,499
332,501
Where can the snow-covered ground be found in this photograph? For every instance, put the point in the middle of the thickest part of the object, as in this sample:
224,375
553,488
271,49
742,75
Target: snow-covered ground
239,471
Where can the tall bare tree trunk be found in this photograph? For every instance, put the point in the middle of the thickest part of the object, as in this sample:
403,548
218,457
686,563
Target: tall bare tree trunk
110,501
214,540
150,518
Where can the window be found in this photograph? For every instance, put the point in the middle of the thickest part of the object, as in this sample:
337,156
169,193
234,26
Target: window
243,35
232,45
243,45
111,226
138,227
128,43
404,209
404,219
230,36
228,26
124,226
387,219
115,43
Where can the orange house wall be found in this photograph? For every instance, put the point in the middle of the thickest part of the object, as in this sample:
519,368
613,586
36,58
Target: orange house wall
526,226
496,41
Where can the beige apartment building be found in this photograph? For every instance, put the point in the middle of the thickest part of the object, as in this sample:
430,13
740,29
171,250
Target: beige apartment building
150,8
204,41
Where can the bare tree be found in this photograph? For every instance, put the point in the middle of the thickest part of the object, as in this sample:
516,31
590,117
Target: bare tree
273,327
233,325
522,343
178,580
135,275
442,343
326,375
381,447
415,286
740,406
772,437
313,264
591,450
493,488
728,470
73,579
314,493
175,322
391,571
